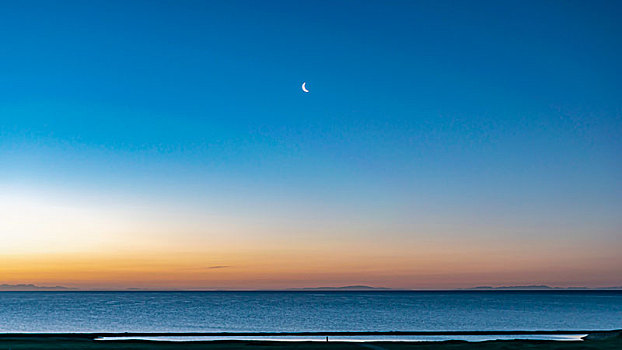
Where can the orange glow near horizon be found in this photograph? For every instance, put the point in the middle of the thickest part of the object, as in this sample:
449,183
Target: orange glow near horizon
92,246
273,269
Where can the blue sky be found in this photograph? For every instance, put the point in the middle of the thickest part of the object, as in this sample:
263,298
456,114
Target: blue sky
503,118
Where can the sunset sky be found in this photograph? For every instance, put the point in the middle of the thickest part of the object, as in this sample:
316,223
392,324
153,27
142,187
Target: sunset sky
169,145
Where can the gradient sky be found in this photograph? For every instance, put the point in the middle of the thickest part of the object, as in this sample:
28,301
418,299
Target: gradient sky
168,144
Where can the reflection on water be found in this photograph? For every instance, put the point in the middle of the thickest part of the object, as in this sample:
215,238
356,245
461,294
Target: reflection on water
366,338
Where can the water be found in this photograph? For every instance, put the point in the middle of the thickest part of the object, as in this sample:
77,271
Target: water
362,338
307,311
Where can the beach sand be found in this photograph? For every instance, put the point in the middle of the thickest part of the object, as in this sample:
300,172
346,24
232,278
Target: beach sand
48,343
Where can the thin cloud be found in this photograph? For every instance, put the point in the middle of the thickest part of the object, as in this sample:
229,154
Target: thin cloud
219,267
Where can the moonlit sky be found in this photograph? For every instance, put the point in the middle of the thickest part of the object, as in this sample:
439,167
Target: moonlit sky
168,144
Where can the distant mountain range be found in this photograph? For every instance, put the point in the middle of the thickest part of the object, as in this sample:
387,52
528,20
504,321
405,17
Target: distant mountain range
34,287
538,287
483,288
345,288
31,288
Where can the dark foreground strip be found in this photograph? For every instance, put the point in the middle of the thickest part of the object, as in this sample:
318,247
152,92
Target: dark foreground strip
261,334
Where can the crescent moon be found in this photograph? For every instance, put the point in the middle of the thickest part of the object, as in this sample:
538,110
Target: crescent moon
304,88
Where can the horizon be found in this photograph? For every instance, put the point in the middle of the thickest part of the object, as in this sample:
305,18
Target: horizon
441,145
349,288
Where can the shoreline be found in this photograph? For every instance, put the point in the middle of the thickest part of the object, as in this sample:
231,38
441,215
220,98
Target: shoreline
95,335
609,340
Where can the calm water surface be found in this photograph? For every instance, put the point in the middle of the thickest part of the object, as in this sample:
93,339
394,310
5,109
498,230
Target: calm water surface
307,311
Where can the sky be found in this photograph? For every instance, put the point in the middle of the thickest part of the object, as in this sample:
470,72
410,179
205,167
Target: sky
443,144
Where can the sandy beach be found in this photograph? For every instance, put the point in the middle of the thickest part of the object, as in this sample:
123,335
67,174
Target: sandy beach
606,341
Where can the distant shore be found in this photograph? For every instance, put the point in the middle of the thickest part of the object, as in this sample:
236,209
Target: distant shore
353,288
